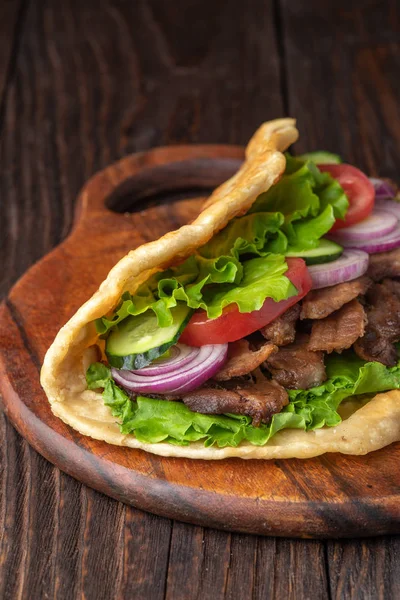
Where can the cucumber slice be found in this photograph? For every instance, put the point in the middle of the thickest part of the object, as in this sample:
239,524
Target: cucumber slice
321,157
326,252
138,340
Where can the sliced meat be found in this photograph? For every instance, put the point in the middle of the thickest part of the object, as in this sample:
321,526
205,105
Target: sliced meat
384,264
319,304
243,360
282,330
340,330
391,285
258,400
383,329
296,367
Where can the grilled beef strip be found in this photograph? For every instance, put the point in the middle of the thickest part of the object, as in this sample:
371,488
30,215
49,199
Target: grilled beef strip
392,285
383,329
319,304
296,367
259,400
340,330
282,330
384,264
243,360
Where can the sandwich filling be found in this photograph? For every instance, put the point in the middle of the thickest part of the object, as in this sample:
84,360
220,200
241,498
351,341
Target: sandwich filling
282,319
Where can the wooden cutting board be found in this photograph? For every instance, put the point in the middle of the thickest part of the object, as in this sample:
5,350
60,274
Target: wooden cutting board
330,496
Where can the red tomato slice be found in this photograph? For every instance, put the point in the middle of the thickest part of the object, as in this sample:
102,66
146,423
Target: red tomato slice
233,325
359,190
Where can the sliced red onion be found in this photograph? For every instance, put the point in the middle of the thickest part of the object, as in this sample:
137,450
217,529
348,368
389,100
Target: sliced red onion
383,189
352,264
382,244
206,362
378,224
389,206
180,355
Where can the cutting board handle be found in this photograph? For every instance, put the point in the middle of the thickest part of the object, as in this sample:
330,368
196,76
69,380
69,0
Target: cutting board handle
127,182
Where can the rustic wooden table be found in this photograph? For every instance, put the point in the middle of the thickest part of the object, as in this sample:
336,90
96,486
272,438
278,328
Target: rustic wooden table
84,83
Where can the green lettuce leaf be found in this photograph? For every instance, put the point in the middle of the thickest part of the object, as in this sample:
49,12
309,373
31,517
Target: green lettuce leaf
244,263
246,285
97,376
306,234
155,421
304,193
255,234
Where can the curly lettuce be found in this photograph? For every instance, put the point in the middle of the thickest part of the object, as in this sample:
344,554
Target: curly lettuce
245,262
155,421
213,285
309,200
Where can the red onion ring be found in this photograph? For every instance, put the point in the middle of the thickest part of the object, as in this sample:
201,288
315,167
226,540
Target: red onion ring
207,362
382,244
378,224
180,356
352,264
389,206
383,189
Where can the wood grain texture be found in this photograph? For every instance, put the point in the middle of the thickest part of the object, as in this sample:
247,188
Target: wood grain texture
352,92
374,573
12,19
94,81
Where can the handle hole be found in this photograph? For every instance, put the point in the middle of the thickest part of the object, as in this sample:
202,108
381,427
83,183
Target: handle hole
166,183
132,203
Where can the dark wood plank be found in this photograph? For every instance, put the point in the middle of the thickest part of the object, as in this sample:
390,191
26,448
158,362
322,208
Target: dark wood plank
215,564
72,511
14,509
42,526
293,558
147,540
243,567
342,65
105,556
200,563
11,22
304,564
185,562
364,571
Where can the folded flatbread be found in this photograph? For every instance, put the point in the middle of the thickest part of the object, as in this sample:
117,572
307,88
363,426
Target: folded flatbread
365,427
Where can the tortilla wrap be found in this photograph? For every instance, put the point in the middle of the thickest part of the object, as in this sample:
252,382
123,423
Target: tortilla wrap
366,427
